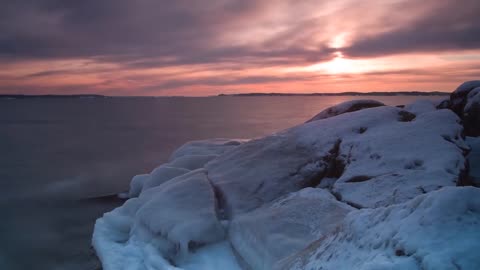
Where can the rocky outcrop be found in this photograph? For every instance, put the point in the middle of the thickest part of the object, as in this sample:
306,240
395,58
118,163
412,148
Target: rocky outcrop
346,107
465,102
354,188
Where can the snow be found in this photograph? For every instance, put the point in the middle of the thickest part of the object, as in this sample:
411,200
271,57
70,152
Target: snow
345,107
374,188
404,157
434,231
169,221
286,226
421,106
161,175
206,147
136,185
217,256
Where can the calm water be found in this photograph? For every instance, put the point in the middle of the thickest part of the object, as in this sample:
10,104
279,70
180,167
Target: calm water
57,153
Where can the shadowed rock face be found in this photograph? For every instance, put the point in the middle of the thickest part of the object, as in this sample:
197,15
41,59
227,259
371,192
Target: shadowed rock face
345,107
465,102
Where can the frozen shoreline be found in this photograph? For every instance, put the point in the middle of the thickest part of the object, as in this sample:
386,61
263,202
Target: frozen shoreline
305,197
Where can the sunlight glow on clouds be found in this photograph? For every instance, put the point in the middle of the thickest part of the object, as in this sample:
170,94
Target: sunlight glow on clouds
146,47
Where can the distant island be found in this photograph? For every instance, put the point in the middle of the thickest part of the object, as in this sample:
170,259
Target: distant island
52,96
407,93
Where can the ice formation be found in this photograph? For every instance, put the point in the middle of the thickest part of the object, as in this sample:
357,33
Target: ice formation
377,187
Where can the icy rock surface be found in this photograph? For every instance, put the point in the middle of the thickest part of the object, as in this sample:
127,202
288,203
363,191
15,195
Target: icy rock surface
369,189
206,147
161,175
286,226
172,219
190,156
380,156
136,184
436,231
345,107
420,106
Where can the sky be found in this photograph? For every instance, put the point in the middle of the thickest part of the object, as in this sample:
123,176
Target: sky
198,48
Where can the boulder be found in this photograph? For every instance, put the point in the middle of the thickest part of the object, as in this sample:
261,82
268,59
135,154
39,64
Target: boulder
163,225
458,98
465,102
345,107
376,157
471,113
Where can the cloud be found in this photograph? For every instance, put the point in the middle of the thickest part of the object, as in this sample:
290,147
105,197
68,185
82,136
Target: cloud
446,25
219,37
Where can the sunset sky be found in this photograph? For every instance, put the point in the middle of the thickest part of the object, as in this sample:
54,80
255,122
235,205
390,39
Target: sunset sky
195,48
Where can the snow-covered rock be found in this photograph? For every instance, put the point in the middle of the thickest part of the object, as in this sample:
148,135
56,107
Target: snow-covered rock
173,219
395,164
421,106
190,156
161,175
436,231
369,189
458,98
286,226
345,107
380,156
206,147
465,101
136,185
183,211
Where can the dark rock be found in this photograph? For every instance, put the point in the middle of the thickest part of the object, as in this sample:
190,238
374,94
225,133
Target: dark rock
346,107
465,102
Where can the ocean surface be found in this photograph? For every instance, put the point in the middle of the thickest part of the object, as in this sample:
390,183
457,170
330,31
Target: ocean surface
59,154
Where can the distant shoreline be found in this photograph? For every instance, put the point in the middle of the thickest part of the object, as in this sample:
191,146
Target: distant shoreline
409,93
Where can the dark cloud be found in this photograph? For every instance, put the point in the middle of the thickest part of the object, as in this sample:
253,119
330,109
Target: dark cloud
447,25
186,32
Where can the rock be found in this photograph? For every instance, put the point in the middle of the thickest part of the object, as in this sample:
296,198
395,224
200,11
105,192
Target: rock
465,101
172,220
161,175
345,107
206,147
474,159
420,106
378,157
136,185
435,231
458,98
471,113
286,226
369,189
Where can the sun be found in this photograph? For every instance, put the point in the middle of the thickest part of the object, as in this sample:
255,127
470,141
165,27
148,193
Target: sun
340,65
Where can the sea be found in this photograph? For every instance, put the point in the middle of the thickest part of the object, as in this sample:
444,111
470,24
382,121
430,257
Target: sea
61,158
